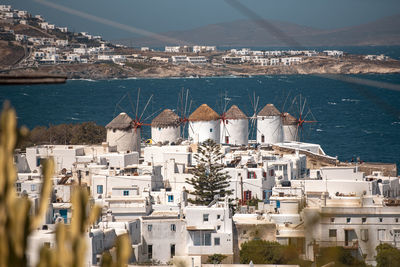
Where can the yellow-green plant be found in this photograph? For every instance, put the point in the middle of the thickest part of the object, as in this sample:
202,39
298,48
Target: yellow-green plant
17,221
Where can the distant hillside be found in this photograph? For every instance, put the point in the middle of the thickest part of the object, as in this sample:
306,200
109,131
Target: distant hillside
385,31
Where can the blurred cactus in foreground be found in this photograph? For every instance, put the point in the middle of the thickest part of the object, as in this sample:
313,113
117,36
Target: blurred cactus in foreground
17,221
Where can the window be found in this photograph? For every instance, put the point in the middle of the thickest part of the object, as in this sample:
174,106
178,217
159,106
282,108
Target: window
364,234
18,187
216,241
218,217
149,227
210,130
33,187
332,233
207,239
205,217
247,195
348,220
170,198
159,128
262,138
380,219
226,139
100,189
251,175
218,227
173,227
332,220
396,220
396,234
150,251
87,173
126,193
172,250
381,234
201,238
364,220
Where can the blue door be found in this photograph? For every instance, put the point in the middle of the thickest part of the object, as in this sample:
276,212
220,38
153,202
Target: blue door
64,214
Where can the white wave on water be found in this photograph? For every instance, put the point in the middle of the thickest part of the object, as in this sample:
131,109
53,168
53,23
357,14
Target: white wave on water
75,119
82,79
121,86
395,123
366,131
25,94
350,100
332,103
319,130
339,126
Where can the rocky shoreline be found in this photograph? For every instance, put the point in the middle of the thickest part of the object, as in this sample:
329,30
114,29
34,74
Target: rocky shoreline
313,66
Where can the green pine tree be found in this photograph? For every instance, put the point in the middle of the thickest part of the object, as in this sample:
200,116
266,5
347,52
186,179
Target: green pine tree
209,178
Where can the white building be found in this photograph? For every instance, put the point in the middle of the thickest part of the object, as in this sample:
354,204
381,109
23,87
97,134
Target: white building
204,123
232,59
180,59
357,224
209,231
61,42
197,60
172,49
269,125
122,133
5,8
203,48
290,128
333,53
234,127
166,127
64,156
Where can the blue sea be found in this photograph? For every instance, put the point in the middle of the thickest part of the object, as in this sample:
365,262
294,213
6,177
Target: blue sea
352,120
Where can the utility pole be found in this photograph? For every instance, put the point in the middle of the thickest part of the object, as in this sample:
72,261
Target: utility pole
241,188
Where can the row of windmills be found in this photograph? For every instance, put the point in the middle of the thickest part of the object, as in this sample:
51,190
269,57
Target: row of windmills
232,127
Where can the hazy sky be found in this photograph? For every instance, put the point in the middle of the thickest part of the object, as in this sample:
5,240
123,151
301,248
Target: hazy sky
168,15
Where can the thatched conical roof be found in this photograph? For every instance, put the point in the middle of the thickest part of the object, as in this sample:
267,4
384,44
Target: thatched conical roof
234,113
121,122
166,119
204,113
288,119
269,110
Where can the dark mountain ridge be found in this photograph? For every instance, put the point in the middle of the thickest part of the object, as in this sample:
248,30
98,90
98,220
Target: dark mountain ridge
385,31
